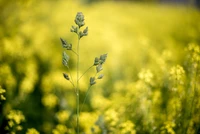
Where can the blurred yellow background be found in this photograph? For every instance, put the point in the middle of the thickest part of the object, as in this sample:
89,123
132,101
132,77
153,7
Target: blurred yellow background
143,41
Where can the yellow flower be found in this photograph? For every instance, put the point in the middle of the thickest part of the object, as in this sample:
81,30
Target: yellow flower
1,92
127,128
32,131
146,75
177,72
50,100
16,116
62,116
60,129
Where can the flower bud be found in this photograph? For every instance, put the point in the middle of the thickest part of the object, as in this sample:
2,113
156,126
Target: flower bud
92,81
66,76
79,20
96,61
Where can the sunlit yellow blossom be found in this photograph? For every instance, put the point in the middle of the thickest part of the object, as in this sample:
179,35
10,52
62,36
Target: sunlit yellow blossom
2,90
50,100
32,131
19,127
176,73
87,120
168,126
62,116
60,129
146,75
127,128
16,116
111,117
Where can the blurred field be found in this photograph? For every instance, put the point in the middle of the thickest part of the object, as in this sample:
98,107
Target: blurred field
140,92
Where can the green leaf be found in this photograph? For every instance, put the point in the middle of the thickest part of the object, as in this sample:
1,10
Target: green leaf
100,76
99,68
92,81
66,76
65,59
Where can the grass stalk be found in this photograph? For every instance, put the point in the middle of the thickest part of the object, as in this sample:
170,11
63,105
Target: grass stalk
77,87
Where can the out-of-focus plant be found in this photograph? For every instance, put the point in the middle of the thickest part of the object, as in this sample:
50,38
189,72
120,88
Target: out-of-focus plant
98,63
193,52
15,118
2,97
32,131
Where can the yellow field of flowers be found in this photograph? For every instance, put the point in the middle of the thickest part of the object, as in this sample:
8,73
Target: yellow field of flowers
151,81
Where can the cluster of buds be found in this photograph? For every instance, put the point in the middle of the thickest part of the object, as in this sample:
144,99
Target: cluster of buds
98,62
79,20
177,75
194,54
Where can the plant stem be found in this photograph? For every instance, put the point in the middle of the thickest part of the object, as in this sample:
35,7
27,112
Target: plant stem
85,72
85,97
77,88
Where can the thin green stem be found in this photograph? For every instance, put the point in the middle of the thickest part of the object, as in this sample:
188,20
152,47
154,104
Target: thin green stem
71,81
87,91
77,86
74,52
85,72
85,97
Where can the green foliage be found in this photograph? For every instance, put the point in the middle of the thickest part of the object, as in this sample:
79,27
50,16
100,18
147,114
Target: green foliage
151,82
